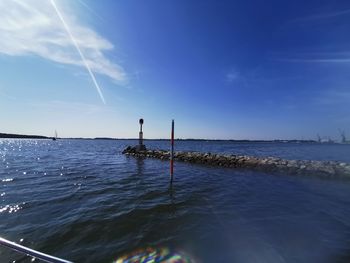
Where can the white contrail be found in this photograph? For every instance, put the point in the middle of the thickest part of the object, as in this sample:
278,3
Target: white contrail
79,51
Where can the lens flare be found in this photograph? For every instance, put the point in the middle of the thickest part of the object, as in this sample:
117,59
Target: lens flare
154,255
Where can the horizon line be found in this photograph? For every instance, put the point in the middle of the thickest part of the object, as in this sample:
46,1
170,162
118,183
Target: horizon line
35,136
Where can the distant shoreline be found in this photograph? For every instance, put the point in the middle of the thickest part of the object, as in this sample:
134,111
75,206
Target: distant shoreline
22,136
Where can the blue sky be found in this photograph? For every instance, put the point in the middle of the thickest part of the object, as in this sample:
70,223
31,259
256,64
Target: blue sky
222,69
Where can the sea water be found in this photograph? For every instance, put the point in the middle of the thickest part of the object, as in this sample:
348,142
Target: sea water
84,201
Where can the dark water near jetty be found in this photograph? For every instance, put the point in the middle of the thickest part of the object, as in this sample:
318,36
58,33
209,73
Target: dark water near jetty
84,201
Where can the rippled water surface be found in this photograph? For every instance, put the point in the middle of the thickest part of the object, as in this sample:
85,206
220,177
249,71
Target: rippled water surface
84,201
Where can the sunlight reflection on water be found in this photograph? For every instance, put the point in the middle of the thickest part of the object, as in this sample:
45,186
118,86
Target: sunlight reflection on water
11,208
7,180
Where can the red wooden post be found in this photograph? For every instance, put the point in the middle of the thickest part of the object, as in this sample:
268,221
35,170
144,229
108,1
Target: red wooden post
172,153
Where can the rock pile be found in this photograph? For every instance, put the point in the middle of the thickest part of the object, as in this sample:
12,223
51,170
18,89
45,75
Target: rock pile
270,164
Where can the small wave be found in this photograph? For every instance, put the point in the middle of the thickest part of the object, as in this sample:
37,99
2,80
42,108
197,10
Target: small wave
151,195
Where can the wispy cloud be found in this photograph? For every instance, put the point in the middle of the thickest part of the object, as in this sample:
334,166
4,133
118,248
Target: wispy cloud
232,75
322,16
92,11
32,27
4,94
315,60
69,32
333,97
313,57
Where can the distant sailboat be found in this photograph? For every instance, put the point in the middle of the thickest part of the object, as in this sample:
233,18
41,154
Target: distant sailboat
343,138
55,137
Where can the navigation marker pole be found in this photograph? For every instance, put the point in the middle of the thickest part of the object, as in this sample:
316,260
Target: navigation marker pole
172,153
141,146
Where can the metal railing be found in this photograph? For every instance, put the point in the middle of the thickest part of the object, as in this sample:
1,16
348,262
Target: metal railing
31,252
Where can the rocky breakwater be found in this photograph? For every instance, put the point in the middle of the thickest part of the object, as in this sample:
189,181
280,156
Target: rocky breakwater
268,164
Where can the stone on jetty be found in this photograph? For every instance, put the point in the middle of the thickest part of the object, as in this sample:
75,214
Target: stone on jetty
268,164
